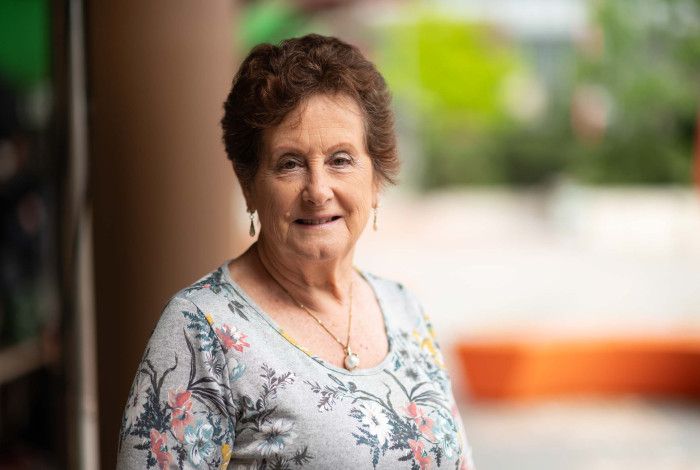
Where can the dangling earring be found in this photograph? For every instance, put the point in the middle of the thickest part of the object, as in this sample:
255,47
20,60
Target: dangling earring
251,232
374,223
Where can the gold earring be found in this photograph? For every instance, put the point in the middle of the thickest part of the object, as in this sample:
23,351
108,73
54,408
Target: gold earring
251,232
374,223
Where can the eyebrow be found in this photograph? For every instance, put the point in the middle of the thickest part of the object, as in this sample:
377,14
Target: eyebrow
339,146
286,149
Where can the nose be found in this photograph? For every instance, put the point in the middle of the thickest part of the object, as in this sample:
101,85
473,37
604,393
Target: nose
318,188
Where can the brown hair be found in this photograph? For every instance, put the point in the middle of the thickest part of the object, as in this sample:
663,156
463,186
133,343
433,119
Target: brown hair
273,80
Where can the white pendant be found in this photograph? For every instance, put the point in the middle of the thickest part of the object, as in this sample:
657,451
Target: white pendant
351,360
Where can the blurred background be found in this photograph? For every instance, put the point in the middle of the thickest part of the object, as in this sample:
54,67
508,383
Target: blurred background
548,213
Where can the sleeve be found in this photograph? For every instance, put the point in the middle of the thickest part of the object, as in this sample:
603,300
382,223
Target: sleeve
431,348
180,410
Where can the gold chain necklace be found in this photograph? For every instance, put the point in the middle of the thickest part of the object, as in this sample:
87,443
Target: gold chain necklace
352,360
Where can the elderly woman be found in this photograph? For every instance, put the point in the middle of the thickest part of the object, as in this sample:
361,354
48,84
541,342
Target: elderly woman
289,356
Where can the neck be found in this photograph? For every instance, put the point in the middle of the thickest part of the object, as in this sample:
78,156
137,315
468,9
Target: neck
310,282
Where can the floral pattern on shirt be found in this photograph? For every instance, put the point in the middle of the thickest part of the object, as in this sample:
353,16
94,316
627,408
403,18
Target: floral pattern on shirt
272,435
424,429
163,421
218,388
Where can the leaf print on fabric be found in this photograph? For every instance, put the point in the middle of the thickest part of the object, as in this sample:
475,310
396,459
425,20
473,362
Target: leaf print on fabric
213,363
270,436
207,389
155,413
302,456
382,426
274,382
198,442
216,283
136,402
328,395
202,331
232,338
213,282
421,393
411,373
237,308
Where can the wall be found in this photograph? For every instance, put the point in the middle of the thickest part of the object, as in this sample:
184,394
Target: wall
162,190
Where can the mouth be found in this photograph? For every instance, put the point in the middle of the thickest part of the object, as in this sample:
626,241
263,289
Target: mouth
317,220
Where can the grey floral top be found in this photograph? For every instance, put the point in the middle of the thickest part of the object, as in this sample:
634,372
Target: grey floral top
221,386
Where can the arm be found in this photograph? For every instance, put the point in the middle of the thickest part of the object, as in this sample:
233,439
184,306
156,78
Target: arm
431,348
179,409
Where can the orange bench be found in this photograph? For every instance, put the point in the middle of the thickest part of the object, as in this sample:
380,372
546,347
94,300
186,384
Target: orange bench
514,369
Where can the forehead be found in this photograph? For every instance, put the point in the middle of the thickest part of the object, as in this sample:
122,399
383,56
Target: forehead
319,119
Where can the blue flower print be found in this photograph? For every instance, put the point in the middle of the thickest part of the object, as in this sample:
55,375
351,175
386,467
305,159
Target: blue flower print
198,441
274,436
446,436
235,369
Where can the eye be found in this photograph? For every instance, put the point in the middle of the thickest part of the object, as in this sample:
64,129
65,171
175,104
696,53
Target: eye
288,164
341,159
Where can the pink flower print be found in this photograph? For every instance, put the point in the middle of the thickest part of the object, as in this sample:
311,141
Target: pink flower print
424,423
160,448
181,415
419,453
232,338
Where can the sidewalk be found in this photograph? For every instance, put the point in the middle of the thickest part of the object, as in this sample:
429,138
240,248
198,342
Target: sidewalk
619,434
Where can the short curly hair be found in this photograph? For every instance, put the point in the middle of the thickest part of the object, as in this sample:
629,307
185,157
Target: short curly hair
273,80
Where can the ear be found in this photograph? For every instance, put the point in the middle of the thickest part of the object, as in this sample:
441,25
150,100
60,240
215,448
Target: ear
249,199
376,191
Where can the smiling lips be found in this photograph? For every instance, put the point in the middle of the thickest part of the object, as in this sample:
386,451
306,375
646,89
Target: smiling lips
317,220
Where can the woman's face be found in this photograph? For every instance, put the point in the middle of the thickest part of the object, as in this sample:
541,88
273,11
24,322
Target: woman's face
315,185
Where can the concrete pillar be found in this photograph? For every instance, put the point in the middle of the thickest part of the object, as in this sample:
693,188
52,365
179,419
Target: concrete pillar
162,190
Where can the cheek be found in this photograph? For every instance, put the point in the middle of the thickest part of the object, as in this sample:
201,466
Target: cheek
365,187
276,208
360,196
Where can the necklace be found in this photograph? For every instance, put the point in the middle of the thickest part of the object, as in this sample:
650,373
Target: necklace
352,360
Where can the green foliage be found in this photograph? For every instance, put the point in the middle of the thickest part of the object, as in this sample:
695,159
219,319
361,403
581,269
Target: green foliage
449,67
454,73
24,41
272,22
650,66
646,70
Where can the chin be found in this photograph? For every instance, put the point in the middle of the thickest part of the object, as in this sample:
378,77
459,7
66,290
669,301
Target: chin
319,251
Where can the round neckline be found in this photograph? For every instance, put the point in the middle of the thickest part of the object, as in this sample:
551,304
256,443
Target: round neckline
292,341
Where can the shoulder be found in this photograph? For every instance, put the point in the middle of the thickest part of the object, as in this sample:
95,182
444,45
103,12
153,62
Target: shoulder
408,317
396,298
214,285
212,295
198,308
